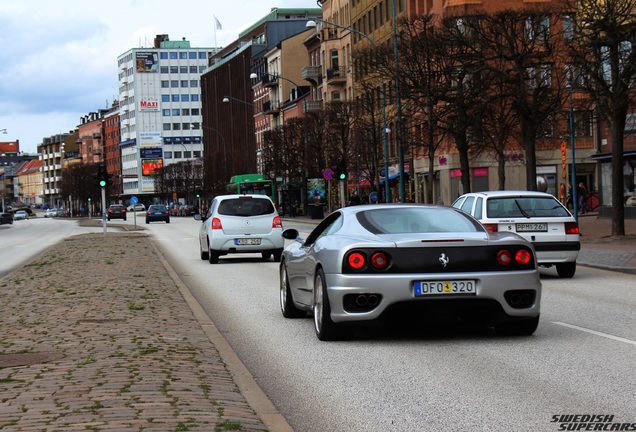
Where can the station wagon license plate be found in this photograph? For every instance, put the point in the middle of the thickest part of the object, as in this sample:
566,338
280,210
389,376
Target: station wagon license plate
532,227
247,241
465,287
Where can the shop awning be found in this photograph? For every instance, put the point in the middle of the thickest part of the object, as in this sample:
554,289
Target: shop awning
125,143
604,156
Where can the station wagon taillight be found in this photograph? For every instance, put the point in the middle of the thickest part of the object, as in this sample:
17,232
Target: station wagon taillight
492,227
277,223
216,224
571,228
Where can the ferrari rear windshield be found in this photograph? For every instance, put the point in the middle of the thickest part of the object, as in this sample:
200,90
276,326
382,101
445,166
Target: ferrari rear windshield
416,220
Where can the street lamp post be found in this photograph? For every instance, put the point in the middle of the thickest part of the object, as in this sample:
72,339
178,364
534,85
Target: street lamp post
226,99
312,23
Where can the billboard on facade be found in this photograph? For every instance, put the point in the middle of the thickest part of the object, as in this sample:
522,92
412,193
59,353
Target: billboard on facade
150,166
149,139
148,105
151,153
147,61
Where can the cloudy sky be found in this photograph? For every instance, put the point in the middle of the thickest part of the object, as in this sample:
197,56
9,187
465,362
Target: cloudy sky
58,58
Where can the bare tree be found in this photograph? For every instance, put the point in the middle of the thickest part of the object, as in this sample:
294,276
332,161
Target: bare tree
602,50
523,48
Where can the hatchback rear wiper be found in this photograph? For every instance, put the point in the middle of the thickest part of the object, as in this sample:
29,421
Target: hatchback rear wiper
523,212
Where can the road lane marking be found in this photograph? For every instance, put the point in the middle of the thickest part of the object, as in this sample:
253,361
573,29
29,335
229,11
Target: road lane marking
605,335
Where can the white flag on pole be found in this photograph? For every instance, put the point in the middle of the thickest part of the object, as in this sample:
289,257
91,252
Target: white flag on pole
217,23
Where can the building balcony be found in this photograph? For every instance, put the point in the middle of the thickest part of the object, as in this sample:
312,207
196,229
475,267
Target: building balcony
269,81
312,73
336,75
270,107
313,105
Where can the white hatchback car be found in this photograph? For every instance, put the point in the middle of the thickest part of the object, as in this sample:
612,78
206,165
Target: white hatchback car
537,216
241,224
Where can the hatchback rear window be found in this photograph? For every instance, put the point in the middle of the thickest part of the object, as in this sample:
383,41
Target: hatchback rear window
157,207
245,207
510,207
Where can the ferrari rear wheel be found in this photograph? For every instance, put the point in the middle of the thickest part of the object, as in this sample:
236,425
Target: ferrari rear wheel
518,328
286,302
326,329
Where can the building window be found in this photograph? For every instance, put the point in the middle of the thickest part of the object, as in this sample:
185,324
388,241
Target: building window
192,55
164,69
183,69
183,55
174,69
202,69
175,98
165,84
185,111
177,155
583,124
202,56
173,55
197,154
174,83
167,155
195,111
185,98
184,83
166,113
176,126
166,126
165,98
175,112
187,154
193,69
185,126
195,126
194,98
194,83
163,55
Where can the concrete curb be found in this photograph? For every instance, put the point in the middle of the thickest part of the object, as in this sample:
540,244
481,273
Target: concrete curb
252,392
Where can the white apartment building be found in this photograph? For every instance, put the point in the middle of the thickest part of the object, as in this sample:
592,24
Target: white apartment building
160,109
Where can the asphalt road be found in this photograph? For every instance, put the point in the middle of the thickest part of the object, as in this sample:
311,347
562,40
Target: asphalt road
581,360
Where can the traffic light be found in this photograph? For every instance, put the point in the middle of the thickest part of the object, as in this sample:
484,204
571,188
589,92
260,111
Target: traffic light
89,199
109,179
199,193
102,176
341,169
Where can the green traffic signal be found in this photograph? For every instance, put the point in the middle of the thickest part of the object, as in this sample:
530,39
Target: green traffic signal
102,183
343,176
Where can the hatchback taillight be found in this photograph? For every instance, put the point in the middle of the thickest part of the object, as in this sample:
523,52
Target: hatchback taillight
492,227
277,223
216,224
571,228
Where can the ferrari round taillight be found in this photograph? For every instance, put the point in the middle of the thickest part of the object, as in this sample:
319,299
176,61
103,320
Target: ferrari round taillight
356,260
379,261
504,257
523,257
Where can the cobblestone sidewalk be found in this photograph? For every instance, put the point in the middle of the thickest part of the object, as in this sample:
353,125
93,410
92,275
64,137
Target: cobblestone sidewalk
96,336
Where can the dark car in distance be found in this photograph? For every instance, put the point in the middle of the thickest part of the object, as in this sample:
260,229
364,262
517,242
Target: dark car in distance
116,211
157,213
6,218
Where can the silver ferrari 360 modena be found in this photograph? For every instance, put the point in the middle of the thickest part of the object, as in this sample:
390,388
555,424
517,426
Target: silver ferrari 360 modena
362,262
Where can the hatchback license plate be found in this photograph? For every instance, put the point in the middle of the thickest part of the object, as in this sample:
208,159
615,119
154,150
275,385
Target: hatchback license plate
530,227
466,287
248,241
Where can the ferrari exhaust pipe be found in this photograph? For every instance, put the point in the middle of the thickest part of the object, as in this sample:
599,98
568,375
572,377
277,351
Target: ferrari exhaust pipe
362,300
